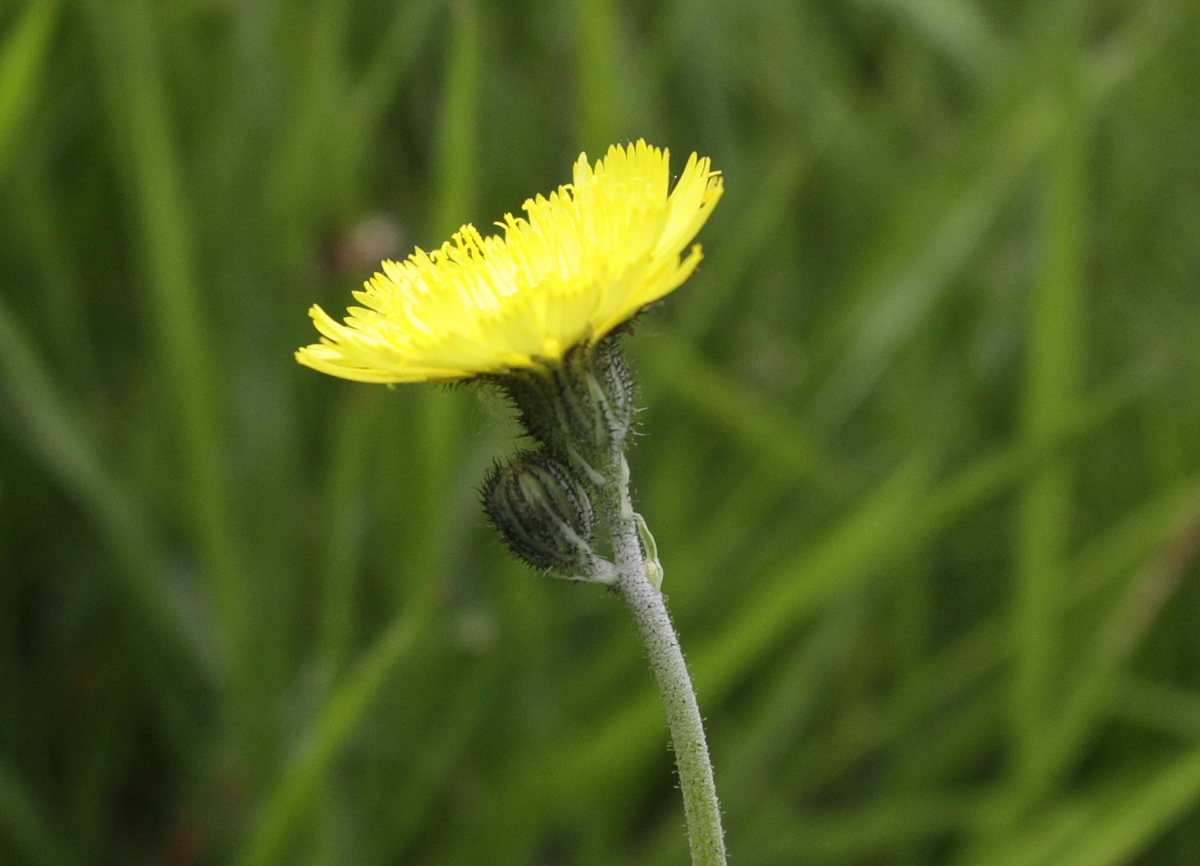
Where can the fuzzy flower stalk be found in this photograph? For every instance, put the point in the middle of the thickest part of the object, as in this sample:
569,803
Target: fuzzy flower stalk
538,312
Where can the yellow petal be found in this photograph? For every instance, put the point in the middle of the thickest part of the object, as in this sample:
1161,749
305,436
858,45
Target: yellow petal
581,262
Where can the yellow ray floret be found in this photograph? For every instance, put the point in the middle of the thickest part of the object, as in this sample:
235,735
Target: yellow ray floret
578,264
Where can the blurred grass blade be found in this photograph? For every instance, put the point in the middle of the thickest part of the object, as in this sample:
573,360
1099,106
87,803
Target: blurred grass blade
302,780
1093,676
22,58
394,56
436,762
1054,360
295,188
787,710
879,530
1039,841
1110,828
958,30
354,434
63,311
1121,832
856,835
906,283
456,170
1125,544
740,246
793,450
128,43
24,828
601,82
980,652
43,418
397,52
1159,707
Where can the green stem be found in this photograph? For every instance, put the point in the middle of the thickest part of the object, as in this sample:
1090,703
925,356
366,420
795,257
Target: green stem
649,611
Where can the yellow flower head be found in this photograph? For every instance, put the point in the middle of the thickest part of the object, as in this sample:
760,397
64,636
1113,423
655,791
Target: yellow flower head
582,262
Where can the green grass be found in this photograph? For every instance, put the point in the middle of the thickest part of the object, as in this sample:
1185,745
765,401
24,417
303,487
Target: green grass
921,440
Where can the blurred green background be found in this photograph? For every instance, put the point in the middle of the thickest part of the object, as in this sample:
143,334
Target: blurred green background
921,451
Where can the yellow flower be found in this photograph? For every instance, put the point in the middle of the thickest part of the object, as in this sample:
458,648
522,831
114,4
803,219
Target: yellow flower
581,262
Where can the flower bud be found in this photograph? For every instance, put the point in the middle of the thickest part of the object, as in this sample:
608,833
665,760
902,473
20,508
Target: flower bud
543,513
580,409
610,373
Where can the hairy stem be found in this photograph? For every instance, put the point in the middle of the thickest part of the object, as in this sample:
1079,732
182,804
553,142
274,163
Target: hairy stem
649,611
